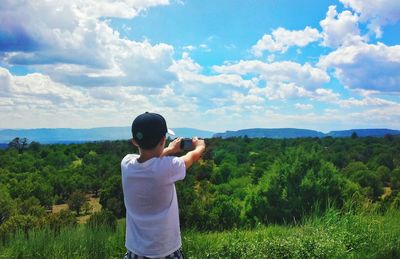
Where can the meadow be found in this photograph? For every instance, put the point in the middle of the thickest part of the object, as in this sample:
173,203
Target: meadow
333,235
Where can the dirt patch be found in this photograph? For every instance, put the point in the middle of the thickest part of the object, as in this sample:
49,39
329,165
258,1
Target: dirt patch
96,207
94,204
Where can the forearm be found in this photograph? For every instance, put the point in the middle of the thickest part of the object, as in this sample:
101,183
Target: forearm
167,151
193,156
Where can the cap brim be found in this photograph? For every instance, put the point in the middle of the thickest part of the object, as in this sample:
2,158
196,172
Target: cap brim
170,132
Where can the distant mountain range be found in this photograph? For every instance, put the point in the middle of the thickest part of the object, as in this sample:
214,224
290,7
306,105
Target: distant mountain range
303,133
67,135
270,133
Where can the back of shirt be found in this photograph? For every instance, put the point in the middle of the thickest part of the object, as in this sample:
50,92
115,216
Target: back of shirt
152,215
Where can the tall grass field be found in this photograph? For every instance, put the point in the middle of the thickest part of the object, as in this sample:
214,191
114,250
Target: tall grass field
334,235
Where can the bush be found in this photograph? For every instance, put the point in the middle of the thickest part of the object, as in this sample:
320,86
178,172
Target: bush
76,201
293,187
104,218
19,223
7,205
63,219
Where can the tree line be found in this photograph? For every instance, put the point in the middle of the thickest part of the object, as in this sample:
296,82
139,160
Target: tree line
239,182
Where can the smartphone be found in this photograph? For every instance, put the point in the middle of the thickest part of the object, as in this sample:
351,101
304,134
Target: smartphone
187,144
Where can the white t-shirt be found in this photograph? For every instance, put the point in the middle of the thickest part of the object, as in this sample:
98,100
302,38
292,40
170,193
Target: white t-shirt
152,216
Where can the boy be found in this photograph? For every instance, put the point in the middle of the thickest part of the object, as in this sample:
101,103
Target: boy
148,183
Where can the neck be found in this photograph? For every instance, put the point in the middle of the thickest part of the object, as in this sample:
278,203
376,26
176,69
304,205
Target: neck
148,154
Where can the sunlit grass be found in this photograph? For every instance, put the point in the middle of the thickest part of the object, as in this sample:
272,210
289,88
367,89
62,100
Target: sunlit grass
333,235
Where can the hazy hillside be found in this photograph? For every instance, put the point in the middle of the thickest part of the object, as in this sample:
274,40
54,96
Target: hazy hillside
364,132
300,133
271,133
67,135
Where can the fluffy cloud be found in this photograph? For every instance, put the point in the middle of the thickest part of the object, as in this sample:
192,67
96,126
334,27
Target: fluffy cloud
249,99
339,29
366,66
73,43
35,100
377,13
303,106
367,102
281,39
332,119
36,88
279,72
281,91
189,74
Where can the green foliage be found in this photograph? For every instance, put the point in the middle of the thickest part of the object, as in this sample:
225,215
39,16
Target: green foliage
238,182
293,187
7,205
18,222
19,144
111,196
31,206
76,201
104,218
63,219
366,178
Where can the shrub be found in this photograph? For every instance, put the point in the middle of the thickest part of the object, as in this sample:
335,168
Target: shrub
104,218
19,222
76,201
63,219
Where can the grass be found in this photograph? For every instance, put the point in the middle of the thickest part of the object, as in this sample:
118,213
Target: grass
330,236
334,235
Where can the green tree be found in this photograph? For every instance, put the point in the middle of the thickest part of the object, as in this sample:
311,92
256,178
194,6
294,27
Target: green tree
293,186
226,212
63,219
112,188
19,144
19,222
76,201
31,206
370,181
7,205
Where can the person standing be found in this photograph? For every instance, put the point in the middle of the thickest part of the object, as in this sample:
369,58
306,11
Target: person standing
148,183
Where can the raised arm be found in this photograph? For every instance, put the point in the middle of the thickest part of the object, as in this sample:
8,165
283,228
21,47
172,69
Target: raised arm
194,155
173,147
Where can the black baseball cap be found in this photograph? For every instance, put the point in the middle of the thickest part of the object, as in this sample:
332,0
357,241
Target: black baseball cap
148,129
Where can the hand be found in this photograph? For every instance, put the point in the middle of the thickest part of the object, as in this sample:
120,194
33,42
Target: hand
175,145
198,143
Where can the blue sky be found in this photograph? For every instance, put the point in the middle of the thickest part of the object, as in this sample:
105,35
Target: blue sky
213,65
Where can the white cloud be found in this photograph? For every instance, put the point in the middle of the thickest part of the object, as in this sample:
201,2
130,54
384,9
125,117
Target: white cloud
367,102
281,91
303,106
325,95
366,66
72,43
340,29
188,72
35,100
249,99
279,72
376,13
189,47
281,39
331,119
205,47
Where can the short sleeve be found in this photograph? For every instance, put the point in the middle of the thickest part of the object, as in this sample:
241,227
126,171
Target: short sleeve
177,169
